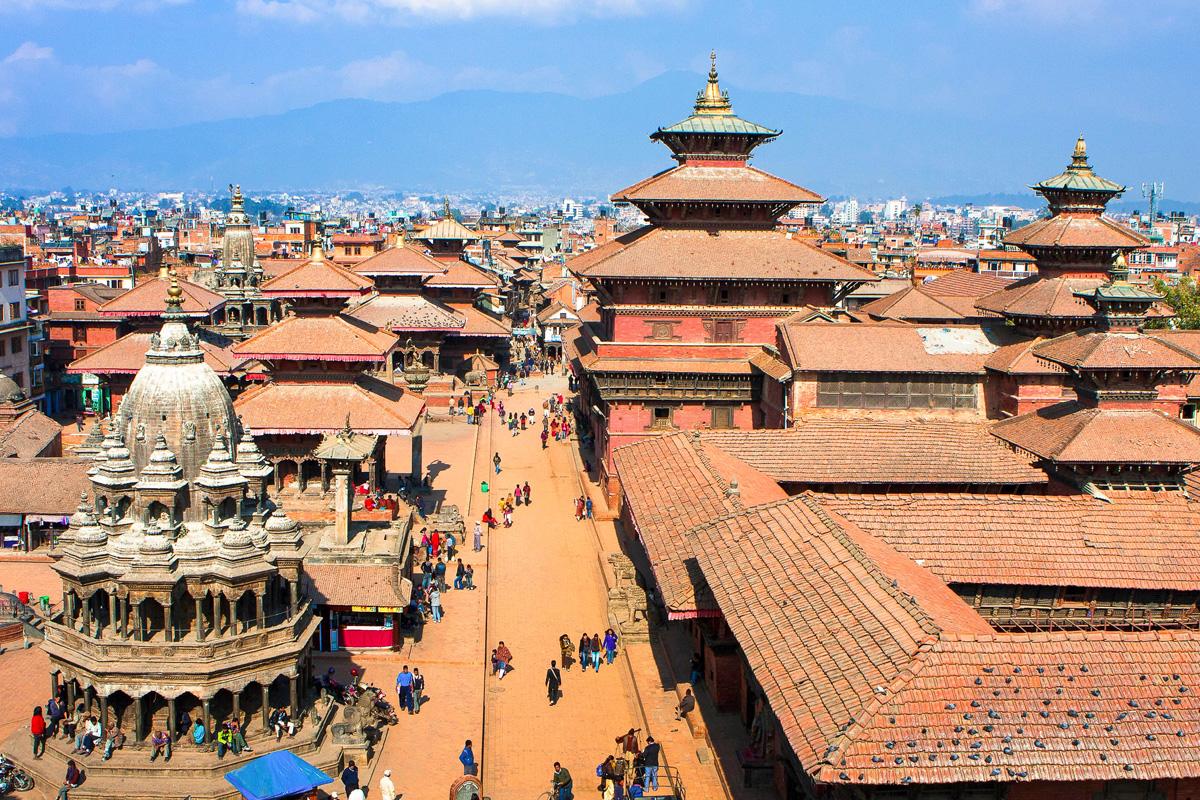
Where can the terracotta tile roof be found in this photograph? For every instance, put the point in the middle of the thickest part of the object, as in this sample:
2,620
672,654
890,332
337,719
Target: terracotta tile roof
695,254
1069,433
725,183
374,406
914,303
29,435
1136,540
323,278
149,299
820,622
965,283
880,451
401,260
770,366
1018,359
358,584
557,313
879,675
460,273
1110,350
666,365
407,312
127,355
889,347
42,485
671,483
448,229
478,322
1038,296
319,338
1076,230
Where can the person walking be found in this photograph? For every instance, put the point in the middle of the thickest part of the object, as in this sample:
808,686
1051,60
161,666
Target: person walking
54,715
585,652
435,603
650,758
517,494
566,648
37,729
528,498
610,645
545,437
496,462
439,575
418,690
587,507
553,683
478,537
387,789
350,777
459,573
563,785
597,649
467,757
469,577
579,506
404,689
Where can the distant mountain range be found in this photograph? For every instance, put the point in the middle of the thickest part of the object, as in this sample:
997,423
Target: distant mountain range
507,142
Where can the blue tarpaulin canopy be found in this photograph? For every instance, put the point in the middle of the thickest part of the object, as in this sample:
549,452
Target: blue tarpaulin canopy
276,775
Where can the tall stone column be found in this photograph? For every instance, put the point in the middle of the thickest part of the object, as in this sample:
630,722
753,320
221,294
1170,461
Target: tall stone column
292,696
172,719
199,619
237,706
261,617
266,707
104,713
206,711
342,499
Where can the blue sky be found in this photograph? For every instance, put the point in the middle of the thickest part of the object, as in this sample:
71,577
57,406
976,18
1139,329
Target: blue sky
103,65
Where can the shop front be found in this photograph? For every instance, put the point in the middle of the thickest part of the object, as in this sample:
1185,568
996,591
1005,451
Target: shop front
359,628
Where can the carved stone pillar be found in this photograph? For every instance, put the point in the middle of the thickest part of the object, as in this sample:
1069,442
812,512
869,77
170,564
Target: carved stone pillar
199,602
266,707
172,719
139,713
292,598
261,617
205,710
237,706
295,704
104,713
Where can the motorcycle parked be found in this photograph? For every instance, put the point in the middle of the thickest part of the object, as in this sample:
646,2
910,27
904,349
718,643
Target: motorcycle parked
12,777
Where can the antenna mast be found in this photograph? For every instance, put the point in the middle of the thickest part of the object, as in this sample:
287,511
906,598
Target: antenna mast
1153,192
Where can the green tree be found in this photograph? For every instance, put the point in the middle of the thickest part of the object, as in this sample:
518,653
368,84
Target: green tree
1184,299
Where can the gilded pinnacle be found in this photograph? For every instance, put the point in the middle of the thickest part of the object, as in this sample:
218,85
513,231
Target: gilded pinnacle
712,101
1079,159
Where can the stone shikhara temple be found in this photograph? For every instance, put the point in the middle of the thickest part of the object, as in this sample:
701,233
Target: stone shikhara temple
183,583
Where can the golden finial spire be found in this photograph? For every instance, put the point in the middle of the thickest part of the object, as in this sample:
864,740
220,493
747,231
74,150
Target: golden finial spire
1079,159
318,253
1119,272
236,202
712,101
174,295
445,208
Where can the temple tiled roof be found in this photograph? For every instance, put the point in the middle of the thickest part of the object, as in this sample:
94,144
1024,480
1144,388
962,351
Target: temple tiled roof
372,405
479,323
448,229
149,298
1076,230
1039,296
879,675
460,273
1069,433
357,584
916,303
697,254
317,277
1134,540
401,260
880,451
1018,359
407,312
42,485
718,184
318,338
127,355
676,481
889,347
1115,350
30,434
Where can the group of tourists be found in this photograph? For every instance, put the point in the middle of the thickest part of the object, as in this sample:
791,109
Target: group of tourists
592,650
410,689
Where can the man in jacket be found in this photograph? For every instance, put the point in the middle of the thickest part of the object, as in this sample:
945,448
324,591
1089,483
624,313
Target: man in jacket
553,682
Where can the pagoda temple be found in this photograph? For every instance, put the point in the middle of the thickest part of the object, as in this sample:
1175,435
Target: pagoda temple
326,367
690,301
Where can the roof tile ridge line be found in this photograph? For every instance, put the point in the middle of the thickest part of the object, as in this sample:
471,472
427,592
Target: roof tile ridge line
873,707
727,498
1172,346
920,615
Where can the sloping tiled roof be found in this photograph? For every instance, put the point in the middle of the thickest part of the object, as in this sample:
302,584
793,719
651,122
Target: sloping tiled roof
373,406
1076,230
448,228
460,273
400,260
149,299
407,312
1136,540
337,337
671,483
695,254
1069,433
913,303
880,451
127,355
1115,350
889,347
479,323
879,675
29,435
1039,296
317,278
358,584
42,485
1018,359
723,183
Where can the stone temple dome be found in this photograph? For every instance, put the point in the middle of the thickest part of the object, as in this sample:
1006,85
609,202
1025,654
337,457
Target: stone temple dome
176,394
9,391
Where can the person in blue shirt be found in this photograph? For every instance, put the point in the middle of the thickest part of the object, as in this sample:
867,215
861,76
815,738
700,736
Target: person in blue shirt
467,757
404,689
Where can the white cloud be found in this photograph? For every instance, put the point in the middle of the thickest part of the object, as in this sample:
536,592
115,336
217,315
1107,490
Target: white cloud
29,51
446,10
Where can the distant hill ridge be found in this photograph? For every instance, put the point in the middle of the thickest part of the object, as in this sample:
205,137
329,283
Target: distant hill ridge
479,141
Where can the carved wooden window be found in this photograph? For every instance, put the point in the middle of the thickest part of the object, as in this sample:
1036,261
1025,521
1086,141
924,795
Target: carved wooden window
722,416
662,330
662,417
850,390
